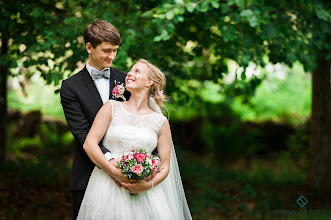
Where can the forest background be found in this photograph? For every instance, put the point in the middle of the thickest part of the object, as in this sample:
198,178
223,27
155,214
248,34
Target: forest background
249,83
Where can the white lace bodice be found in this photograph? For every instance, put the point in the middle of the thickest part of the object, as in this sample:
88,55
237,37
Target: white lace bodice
128,131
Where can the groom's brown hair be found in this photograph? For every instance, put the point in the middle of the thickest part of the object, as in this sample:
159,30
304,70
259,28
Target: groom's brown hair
101,31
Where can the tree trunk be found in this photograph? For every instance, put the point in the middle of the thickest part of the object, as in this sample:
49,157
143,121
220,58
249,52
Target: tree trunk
319,176
3,98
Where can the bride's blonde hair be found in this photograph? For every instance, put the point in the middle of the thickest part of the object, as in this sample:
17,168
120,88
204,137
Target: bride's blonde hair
156,90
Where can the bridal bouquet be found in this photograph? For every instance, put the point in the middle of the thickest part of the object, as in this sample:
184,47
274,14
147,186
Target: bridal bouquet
137,164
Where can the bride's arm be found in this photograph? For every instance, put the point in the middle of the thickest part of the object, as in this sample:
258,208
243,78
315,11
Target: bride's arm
164,150
96,133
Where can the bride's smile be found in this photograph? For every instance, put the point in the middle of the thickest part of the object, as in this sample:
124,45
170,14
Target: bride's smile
137,78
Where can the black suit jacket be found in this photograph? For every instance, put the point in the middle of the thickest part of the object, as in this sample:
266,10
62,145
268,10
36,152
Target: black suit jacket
81,102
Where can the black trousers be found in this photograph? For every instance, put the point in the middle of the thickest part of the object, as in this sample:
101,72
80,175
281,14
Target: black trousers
77,198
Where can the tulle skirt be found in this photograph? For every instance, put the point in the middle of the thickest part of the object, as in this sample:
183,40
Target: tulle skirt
105,200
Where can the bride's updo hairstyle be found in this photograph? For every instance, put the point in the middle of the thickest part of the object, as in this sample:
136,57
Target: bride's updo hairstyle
156,90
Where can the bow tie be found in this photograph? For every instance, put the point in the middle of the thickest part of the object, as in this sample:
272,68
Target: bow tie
96,74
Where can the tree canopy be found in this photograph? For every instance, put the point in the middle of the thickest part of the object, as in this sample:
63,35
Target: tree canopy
187,39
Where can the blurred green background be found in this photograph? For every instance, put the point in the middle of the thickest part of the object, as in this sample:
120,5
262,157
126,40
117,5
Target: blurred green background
251,131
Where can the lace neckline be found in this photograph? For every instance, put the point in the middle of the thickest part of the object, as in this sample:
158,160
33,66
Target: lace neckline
133,113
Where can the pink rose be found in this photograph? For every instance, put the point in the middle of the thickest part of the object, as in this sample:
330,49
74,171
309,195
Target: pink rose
140,157
115,91
138,169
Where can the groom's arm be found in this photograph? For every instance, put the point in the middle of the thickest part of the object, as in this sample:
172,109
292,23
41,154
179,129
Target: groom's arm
76,119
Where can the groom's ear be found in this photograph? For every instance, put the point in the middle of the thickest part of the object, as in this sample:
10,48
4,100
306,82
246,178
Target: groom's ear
88,47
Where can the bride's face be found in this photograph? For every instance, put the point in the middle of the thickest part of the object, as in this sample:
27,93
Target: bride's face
137,78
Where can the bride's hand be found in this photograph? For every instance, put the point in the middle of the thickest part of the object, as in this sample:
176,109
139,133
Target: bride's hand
137,187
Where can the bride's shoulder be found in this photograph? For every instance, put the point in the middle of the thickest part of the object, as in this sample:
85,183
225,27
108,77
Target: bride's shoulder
113,102
162,117
163,124
158,118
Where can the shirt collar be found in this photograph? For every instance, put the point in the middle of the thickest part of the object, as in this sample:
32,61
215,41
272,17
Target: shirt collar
89,68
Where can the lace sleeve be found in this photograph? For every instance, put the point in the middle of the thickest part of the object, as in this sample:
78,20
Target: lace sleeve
162,119
114,111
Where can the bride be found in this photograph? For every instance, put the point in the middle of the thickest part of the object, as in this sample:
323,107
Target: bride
124,126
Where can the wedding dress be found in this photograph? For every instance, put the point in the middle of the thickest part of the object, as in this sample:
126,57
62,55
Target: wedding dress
105,200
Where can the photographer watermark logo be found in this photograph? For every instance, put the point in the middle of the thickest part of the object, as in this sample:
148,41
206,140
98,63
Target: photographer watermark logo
302,201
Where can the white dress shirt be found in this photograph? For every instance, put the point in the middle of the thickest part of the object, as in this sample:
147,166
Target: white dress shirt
102,85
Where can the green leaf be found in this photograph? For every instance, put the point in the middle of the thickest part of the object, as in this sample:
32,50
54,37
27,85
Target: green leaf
157,38
323,14
215,4
180,18
240,3
171,27
179,2
164,35
246,12
204,6
253,21
228,33
191,6
170,15
231,2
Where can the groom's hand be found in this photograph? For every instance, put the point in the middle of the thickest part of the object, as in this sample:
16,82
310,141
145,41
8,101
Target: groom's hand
117,173
116,182
114,162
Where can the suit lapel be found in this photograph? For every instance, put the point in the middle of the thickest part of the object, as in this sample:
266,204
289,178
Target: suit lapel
91,86
111,80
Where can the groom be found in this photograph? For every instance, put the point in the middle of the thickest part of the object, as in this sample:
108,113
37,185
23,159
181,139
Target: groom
83,94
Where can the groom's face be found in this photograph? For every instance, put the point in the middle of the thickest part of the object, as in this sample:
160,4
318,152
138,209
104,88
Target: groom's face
102,56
